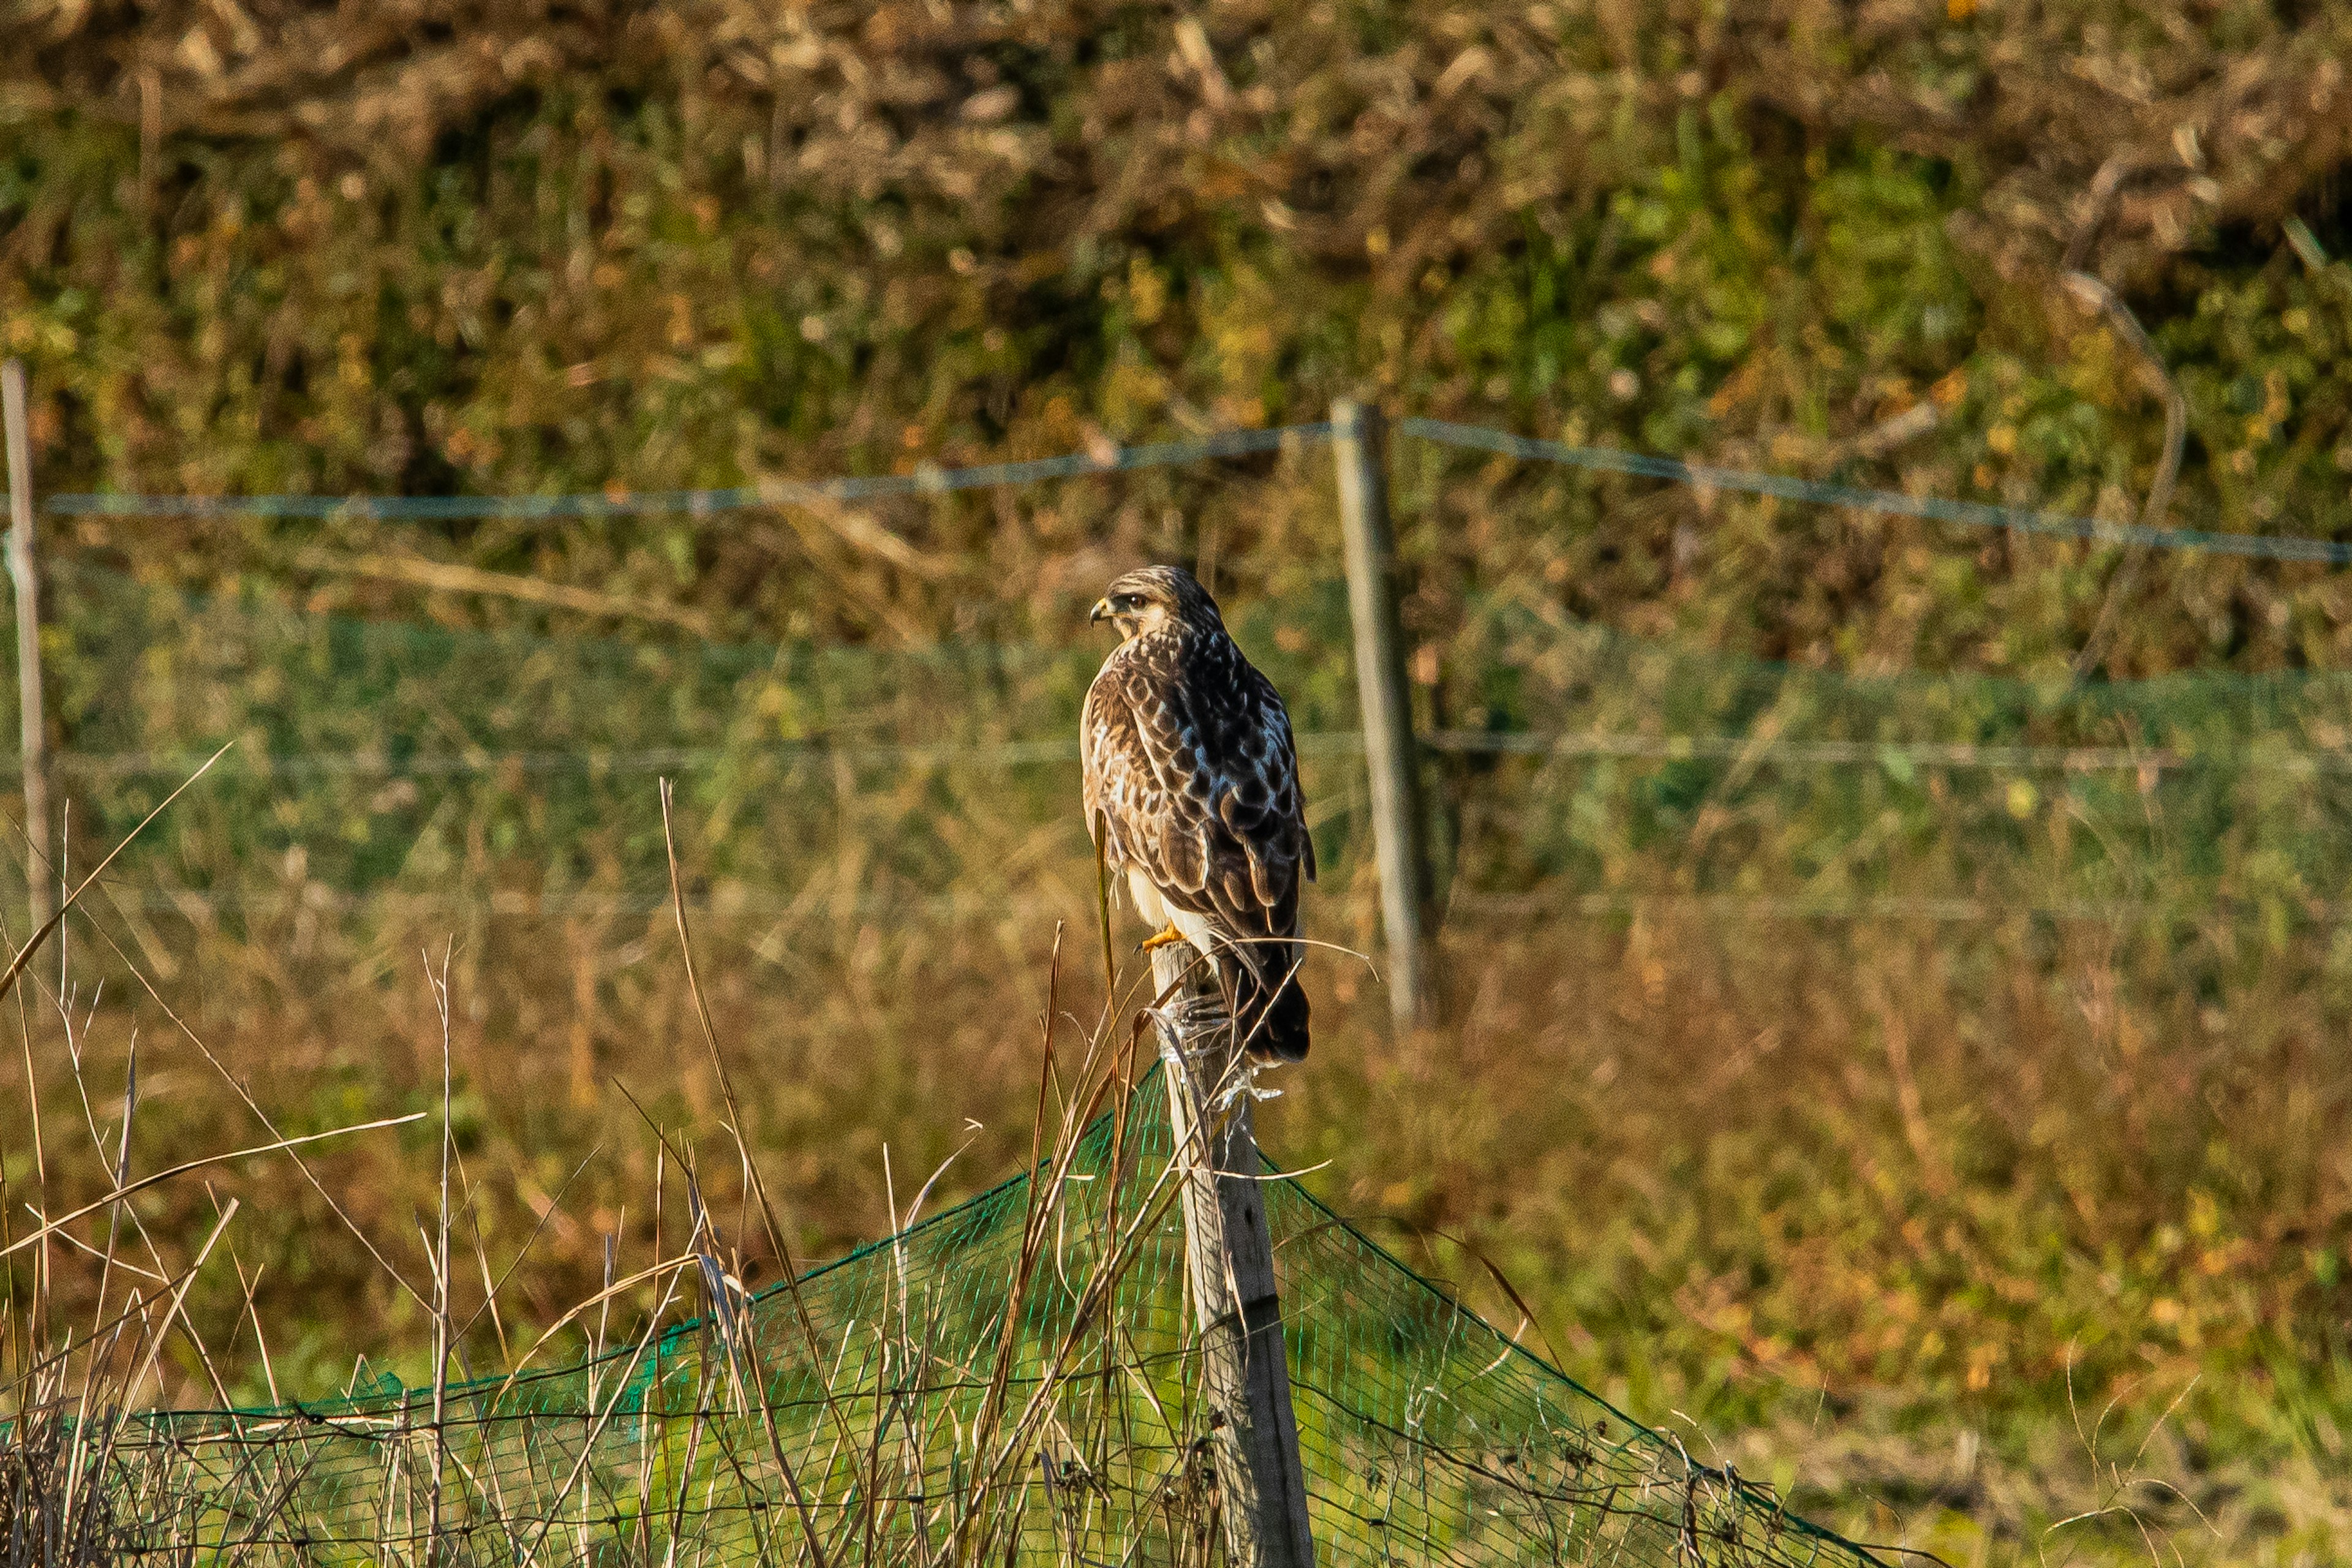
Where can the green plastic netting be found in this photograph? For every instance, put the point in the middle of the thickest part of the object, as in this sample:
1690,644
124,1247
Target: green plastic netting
1428,1436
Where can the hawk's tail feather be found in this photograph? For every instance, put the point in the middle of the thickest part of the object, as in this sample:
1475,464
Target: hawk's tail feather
1272,1027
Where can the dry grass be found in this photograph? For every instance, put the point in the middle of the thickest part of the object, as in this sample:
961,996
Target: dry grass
2017,1239
1957,1231
94,1335
992,1402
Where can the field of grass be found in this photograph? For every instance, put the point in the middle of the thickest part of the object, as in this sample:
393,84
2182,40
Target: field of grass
1957,1145
2012,1234
1948,1243
1015,1376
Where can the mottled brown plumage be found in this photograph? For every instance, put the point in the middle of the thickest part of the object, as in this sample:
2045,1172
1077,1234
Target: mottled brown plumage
1191,772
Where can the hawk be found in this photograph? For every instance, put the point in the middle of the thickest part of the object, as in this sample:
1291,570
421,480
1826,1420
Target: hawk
1193,781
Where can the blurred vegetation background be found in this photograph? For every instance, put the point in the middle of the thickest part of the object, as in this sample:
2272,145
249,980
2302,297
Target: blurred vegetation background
510,247
1888,1205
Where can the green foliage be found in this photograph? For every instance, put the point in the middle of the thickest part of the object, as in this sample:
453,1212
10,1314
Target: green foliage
687,246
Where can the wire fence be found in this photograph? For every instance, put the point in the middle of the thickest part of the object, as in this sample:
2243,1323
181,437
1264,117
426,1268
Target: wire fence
386,774
384,771
935,479
1540,811
1968,514
1540,807
926,479
667,760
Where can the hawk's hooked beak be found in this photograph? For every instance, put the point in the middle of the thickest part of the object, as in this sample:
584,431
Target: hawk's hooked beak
1101,612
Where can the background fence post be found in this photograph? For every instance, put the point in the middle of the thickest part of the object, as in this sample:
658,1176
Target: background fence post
40,870
1229,1260
1397,842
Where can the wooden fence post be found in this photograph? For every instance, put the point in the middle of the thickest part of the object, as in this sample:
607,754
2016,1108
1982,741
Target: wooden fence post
1229,1258
1398,844
39,868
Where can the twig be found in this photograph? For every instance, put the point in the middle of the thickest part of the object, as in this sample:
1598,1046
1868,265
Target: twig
2098,297
449,577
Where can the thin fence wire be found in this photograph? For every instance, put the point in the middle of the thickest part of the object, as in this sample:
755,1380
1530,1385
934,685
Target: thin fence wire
850,1413
935,479
1971,514
673,760
928,480
387,771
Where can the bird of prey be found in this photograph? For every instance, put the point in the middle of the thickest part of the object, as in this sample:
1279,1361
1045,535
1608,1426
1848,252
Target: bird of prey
1192,782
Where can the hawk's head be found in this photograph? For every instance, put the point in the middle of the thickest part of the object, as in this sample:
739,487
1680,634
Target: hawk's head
1155,599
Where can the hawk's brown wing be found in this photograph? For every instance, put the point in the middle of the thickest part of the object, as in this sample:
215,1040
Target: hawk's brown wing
1190,765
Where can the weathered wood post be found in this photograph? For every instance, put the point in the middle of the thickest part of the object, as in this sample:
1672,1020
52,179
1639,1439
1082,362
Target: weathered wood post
40,870
1229,1256
1398,846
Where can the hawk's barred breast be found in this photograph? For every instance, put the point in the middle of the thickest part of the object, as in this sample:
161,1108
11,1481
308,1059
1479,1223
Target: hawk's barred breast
1192,773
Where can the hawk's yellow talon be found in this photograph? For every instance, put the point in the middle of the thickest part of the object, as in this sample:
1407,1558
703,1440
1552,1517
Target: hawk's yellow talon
1161,939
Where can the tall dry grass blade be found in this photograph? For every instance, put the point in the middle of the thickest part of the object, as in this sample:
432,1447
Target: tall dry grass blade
194,1336
56,1361
1105,1281
179,1297
10,1364
596,1428
440,984
473,1210
784,1252
33,944
711,1037
36,1327
121,1167
516,1262
579,1311
260,1338
50,1227
992,1407
268,1124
